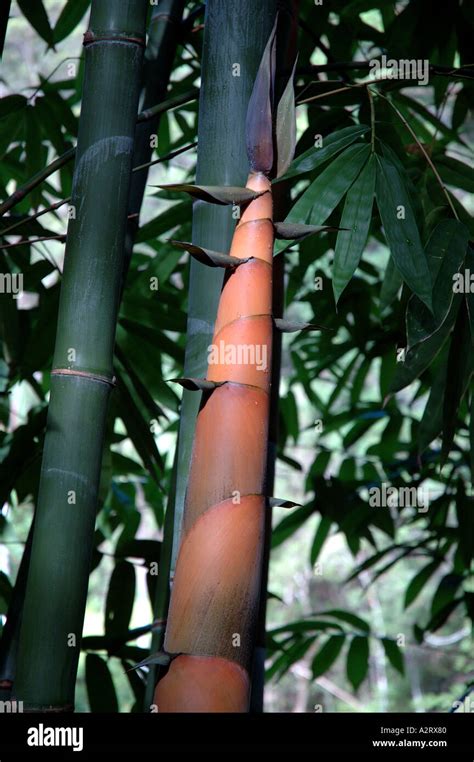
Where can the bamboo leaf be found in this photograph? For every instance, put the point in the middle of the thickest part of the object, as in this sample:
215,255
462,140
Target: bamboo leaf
419,357
419,581
293,231
209,257
35,12
4,16
286,126
215,194
120,598
446,251
427,332
427,116
401,230
139,431
314,157
331,185
12,103
465,517
460,368
289,656
442,615
445,593
69,18
290,524
6,589
324,193
306,625
391,285
100,686
432,420
358,660
355,219
346,616
455,173
259,122
149,404
394,655
369,562
322,532
328,654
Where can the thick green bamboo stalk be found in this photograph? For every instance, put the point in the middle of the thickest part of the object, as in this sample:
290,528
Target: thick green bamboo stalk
163,36
82,374
228,73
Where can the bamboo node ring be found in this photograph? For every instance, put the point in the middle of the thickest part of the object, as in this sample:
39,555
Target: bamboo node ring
90,37
84,374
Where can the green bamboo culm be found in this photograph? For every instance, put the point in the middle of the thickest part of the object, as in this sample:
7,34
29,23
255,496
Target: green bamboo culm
228,73
82,376
163,35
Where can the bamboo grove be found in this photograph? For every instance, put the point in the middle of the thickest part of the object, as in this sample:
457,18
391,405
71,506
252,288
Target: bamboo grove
328,216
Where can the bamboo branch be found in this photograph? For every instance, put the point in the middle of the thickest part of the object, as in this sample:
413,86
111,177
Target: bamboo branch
61,161
32,217
424,152
168,156
25,241
36,180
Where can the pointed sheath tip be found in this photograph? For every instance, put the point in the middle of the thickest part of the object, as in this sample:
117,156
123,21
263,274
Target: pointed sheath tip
197,384
259,122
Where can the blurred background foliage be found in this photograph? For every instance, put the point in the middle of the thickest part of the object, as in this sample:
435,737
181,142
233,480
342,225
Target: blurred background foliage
370,608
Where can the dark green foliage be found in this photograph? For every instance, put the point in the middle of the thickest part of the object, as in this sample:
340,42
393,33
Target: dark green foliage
391,382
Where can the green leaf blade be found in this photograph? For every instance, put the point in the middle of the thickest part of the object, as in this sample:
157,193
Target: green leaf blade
401,230
35,12
356,217
315,157
100,687
69,18
328,654
358,660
